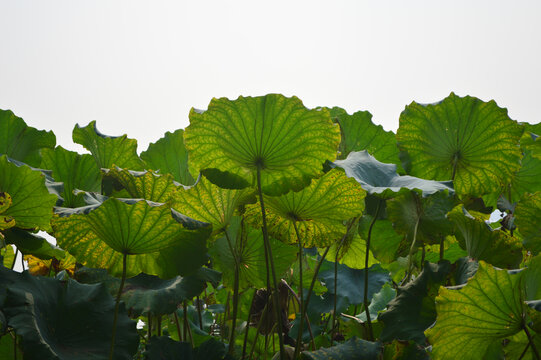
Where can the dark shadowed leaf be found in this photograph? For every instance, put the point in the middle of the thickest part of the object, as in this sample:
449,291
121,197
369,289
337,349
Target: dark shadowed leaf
353,349
32,244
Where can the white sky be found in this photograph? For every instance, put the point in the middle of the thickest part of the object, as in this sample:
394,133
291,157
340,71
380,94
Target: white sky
137,67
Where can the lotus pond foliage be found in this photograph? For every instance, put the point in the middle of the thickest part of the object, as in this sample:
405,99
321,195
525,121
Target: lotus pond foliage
269,230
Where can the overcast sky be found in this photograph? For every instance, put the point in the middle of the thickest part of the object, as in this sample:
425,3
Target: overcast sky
137,67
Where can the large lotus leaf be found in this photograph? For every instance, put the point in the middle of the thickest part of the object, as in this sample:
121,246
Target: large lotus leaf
413,310
527,179
144,230
288,142
32,244
32,205
248,246
169,156
5,202
482,242
350,283
145,184
22,142
67,320
409,211
358,133
74,170
463,139
353,349
318,210
379,302
484,312
108,150
382,179
210,203
144,294
351,252
528,220
531,139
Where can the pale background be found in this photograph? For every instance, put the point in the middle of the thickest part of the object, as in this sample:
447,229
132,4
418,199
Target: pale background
137,67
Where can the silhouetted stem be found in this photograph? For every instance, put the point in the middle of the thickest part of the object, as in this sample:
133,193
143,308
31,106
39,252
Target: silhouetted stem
274,289
263,314
442,247
532,344
235,294
180,337
248,327
366,260
14,259
117,304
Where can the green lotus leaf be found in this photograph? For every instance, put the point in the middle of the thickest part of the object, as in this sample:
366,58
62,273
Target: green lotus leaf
169,156
351,252
67,320
351,281
210,203
382,179
22,142
385,241
482,242
531,276
526,180
519,343
484,312
248,245
353,349
74,170
379,302
413,310
408,211
358,133
278,135
318,210
465,268
531,140
5,202
404,350
528,220
144,294
144,230
463,139
32,205
7,255
144,184
108,150
32,244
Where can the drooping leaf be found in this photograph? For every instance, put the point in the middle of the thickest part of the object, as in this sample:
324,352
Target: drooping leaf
487,310
482,242
318,210
379,302
74,170
32,244
353,349
210,203
408,211
5,202
169,156
249,247
145,184
32,205
463,139
21,142
414,310
108,150
528,220
288,142
144,294
358,133
351,281
70,321
153,235
382,179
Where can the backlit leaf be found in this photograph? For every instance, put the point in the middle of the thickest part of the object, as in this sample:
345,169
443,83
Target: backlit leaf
528,220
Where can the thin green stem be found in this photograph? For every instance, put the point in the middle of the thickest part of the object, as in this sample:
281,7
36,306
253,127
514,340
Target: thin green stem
180,337
149,323
335,296
200,317
14,259
117,304
263,315
186,323
274,289
366,261
235,307
298,345
442,247
530,340
412,250
248,327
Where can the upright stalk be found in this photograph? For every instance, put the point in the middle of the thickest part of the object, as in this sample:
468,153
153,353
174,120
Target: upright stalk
14,259
335,296
235,294
248,327
180,336
122,281
186,323
276,304
531,342
442,247
412,249
301,319
366,260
